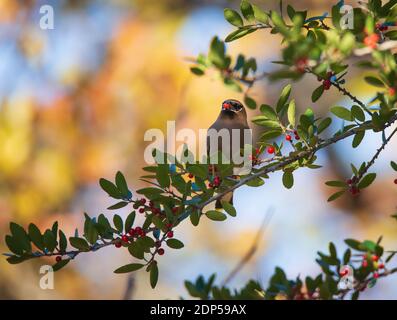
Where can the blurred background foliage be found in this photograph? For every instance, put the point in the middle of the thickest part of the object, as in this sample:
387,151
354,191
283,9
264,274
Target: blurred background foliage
75,103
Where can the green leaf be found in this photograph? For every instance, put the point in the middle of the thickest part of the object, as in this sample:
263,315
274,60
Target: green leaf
269,112
260,15
249,102
229,208
79,243
367,180
36,236
195,218
110,188
317,93
63,242
215,215
118,205
197,71
20,235
288,179
59,265
175,244
324,124
291,113
154,274
285,93
374,81
13,245
358,137
118,223
239,33
217,53
50,241
354,244
136,250
336,195
336,184
342,113
393,165
162,175
129,268
358,113
271,134
129,222
233,17
247,10
121,184
265,122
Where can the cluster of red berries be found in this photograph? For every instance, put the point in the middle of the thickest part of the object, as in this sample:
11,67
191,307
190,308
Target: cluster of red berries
297,137
381,27
127,238
372,40
215,183
353,189
300,64
141,202
377,265
170,234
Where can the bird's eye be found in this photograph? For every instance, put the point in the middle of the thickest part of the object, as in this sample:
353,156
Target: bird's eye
237,107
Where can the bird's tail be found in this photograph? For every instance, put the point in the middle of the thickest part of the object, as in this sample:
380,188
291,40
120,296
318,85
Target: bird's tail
227,197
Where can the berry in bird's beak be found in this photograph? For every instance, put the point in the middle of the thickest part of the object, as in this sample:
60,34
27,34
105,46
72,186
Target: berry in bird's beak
226,106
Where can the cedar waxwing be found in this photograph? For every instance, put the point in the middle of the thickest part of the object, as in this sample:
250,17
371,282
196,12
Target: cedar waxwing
232,116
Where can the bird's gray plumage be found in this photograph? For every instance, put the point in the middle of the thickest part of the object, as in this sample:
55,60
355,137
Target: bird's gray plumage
232,116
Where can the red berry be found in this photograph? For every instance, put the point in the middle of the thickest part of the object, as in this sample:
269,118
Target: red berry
365,263
143,201
58,258
117,244
168,225
344,272
191,176
158,244
301,64
327,84
392,91
395,181
141,210
131,232
297,137
170,234
124,238
376,275
270,149
160,251
288,137
138,230
381,266
375,258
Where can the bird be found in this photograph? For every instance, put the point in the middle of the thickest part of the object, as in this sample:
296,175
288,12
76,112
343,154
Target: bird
232,116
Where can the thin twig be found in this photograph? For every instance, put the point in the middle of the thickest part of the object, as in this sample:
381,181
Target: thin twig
252,249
